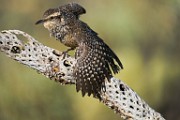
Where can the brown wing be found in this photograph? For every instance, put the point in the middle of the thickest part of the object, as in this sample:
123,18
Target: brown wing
88,80
93,66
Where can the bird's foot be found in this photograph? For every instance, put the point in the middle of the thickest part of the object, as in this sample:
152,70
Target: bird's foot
65,52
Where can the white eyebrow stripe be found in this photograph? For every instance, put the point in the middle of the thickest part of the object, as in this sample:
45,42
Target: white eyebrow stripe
54,14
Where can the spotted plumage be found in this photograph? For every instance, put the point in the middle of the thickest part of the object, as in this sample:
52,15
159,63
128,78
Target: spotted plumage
95,59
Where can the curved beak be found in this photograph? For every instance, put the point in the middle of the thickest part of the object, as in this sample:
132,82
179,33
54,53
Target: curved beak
39,22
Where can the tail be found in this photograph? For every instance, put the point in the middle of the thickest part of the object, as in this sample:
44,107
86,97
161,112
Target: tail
115,68
111,58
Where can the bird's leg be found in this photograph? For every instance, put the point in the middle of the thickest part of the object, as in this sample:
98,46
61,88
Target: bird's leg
65,52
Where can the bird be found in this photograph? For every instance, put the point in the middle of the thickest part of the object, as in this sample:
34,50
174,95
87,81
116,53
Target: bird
96,62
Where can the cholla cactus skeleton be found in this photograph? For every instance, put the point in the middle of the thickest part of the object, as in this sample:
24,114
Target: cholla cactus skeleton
118,96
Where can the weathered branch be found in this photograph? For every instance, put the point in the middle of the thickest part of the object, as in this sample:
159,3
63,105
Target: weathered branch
52,63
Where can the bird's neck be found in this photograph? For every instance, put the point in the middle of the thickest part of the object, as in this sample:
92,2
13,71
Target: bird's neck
58,32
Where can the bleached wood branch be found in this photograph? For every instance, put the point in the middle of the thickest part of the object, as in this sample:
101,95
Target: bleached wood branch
50,62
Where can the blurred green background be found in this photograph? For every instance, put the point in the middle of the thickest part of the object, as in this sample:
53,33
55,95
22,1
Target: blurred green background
144,34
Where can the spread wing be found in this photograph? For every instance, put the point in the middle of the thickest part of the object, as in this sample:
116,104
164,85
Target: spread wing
94,60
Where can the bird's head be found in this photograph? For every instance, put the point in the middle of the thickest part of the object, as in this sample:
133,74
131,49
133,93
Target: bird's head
61,16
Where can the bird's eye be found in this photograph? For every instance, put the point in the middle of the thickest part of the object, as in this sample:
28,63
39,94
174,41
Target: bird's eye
51,17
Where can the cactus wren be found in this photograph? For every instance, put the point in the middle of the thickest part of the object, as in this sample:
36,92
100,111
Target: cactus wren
94,58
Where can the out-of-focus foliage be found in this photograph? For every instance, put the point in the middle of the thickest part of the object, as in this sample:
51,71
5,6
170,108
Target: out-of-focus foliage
144,34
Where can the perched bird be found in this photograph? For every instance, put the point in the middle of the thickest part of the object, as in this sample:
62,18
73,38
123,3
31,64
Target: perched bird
95,59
